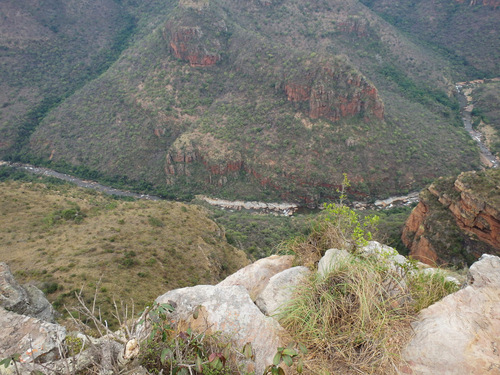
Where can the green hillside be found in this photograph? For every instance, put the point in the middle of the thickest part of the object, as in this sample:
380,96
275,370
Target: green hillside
264,100
63,239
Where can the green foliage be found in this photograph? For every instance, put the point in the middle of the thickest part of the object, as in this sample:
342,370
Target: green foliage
429,287
73,214
156,222
12,359
288,356
183,352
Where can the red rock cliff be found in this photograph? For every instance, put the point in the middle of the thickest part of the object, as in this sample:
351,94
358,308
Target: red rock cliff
456,215
414,236
334,94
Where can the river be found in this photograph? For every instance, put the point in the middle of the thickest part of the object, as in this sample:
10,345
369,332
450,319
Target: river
282,208
487,157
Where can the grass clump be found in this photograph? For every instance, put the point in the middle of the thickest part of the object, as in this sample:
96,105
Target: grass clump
337,226
351,320
355,317
429,287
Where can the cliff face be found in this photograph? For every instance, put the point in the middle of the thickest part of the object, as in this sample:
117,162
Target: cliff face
191,40
186,44
475,213
414,236
332,93
456,219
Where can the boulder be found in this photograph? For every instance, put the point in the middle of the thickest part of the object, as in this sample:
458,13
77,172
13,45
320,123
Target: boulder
230,311
32,338
328,260
387,255
460,334
27,300
255,276
279,290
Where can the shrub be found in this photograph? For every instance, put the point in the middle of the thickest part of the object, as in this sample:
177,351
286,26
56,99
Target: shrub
174,351
338,226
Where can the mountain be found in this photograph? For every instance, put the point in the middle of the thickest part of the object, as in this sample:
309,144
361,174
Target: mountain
256,100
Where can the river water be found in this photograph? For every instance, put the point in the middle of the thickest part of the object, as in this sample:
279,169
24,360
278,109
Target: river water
282,208
465,110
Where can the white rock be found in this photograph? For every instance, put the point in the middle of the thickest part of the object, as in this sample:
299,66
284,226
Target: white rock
460,334
255,276
332,256
386,254
229,310
279,290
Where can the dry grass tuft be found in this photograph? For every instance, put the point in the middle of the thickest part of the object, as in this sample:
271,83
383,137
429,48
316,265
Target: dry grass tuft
348,320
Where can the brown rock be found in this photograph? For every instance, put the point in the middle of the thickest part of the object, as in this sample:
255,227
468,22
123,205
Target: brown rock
333,93
31,338
414,239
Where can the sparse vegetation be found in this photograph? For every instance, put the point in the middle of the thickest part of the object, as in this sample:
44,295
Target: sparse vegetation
63,238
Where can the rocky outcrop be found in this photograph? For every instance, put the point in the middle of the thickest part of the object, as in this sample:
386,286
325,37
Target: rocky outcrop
279,290
255,277
354,25
27,300
185,45
196,42
413,236
476,213
333,93
460,334
456,220
32,338
230,311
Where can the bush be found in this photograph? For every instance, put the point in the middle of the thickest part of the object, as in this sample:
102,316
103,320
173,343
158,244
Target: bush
338,226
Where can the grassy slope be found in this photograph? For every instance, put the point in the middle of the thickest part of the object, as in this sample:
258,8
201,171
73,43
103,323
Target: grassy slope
137,249
235,111
466,35
46,52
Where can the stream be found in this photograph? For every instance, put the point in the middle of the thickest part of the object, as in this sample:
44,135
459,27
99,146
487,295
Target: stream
465,110
282,208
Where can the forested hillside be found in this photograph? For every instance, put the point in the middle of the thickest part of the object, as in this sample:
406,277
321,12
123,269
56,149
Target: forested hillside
255,99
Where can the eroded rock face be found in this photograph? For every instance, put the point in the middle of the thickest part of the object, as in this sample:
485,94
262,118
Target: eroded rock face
32,338
27,300
333,93
460,334
190,42
255,277
229,310
476,214
279,290
456,220
414,236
